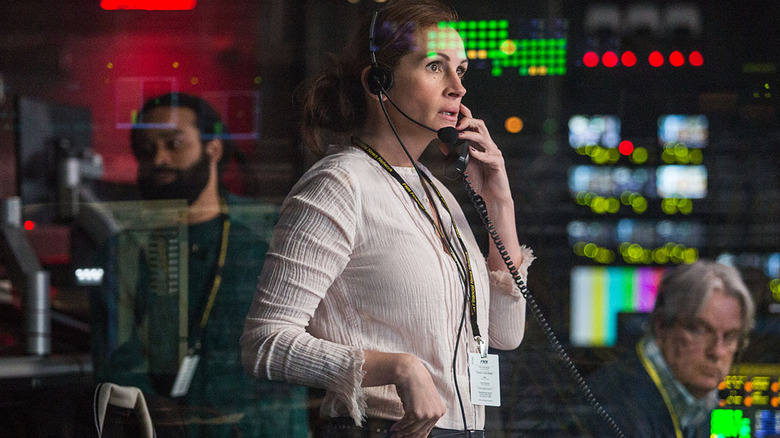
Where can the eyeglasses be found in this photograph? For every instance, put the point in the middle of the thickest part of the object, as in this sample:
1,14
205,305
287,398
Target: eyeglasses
705,334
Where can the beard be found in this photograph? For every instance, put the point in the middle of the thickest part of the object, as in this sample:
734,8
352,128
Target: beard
188,184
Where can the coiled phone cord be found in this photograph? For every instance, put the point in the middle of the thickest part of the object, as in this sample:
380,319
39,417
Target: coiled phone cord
479,205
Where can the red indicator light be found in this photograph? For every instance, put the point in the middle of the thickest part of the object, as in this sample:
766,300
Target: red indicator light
676,59
29,225
626,147
590,59
628,59
149,5
696,59
609,59
656,59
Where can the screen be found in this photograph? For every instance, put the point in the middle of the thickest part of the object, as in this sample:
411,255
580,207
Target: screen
599,293
611,180
682,181
601,130
687,130
647,233
46,133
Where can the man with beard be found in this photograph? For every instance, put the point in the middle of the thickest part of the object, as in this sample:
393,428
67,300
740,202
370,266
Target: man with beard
182,146
702,317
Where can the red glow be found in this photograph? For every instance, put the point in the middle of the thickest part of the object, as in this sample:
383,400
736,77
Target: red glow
696,59
676,59
656,59
609,59
590,59
628,58
626,147
29,225
149,5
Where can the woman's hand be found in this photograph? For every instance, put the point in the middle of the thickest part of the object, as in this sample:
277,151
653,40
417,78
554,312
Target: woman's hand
421,401
486,169
488,177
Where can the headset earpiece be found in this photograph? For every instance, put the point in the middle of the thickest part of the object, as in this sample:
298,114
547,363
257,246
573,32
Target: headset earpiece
379,80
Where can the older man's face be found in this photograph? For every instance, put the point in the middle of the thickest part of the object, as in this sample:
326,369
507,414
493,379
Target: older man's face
700,352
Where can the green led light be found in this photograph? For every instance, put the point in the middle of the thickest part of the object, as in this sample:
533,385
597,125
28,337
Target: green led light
489,39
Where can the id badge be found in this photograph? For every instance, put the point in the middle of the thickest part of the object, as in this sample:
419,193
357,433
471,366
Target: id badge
485,381
184,377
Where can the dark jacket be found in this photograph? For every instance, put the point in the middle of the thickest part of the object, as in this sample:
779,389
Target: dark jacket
630,396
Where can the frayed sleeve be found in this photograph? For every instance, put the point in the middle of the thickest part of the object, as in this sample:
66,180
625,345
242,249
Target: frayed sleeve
507,305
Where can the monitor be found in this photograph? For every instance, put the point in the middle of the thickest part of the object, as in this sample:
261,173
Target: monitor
594,130
611,180
678,181
46,133
600,293
691,131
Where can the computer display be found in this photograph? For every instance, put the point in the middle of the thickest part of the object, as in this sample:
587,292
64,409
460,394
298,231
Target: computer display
687,130
46,133
648,233
599,293
688,182
611,180
595,130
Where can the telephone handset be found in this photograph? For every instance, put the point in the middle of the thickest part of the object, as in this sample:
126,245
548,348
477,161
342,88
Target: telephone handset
457,152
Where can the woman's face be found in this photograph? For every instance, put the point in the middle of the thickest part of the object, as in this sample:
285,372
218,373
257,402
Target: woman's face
427,81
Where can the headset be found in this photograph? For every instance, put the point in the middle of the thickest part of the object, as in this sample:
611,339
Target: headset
379,81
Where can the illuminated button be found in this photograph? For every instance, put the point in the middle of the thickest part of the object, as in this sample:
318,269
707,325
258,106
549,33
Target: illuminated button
676,58
626,147
513,124
656,59
590,59
628,58
609,59
696,59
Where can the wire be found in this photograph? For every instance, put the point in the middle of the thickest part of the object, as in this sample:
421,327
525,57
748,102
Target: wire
479,205
403,114
461,269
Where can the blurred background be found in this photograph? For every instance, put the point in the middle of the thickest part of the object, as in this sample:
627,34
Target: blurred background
638,136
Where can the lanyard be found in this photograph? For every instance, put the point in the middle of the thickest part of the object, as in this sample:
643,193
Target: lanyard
653,373
469,273
220,264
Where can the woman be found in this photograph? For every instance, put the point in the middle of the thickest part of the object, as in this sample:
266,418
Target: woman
366,288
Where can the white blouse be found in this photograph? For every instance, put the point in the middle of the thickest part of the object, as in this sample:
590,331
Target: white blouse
355,265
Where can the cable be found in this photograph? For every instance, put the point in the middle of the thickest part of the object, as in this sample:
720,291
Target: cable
404,114
479,205
463,273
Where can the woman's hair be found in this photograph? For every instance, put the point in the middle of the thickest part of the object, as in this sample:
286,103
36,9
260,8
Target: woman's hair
684,290
335,100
